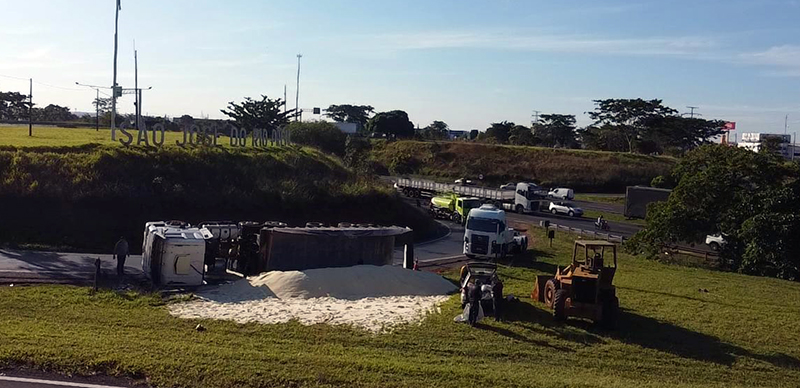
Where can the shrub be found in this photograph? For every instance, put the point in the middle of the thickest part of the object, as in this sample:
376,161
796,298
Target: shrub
319,134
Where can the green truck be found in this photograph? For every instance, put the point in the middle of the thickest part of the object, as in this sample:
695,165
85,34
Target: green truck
452,207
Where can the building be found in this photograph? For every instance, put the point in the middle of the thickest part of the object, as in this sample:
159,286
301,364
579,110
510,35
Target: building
457,134
755,141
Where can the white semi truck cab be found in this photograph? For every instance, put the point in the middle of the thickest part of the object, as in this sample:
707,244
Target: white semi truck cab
487,235
527,197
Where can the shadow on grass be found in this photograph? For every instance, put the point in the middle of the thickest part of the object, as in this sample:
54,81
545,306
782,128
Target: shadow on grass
531,260
666,337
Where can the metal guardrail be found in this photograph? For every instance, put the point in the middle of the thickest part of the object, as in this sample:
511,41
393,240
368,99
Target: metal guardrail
588,233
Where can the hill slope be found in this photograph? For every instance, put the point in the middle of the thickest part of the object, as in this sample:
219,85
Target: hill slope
85,197
593,171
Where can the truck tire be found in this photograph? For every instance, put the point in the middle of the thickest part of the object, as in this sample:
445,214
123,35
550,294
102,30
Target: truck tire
610,311
456,218
550,288
560,306
714,246
520,209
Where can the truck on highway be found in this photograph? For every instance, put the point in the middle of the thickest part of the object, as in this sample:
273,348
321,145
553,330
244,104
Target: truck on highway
528,197
638,197
453,207
487,235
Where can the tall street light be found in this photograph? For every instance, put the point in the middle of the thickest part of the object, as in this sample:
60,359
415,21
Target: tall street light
114,85
298,112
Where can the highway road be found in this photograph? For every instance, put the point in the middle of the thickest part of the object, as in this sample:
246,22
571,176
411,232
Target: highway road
59,267
59,382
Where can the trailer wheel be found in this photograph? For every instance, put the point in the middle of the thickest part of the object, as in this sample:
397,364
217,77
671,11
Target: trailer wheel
560,306
520,209
554,211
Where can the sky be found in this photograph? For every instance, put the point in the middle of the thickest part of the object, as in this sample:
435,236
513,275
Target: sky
467,63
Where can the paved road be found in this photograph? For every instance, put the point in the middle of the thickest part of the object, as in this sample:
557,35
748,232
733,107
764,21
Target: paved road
45,382
59,267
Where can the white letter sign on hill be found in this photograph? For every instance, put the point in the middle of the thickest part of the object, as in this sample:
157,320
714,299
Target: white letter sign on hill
204,136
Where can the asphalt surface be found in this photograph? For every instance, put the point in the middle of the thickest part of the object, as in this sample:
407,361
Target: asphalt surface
59,267
42,381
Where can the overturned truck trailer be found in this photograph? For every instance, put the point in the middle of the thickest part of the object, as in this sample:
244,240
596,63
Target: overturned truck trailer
286,249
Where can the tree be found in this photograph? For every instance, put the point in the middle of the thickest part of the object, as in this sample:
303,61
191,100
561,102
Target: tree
358,114
263,114
473,134
53,113
393,123
13,106
521,135
752,199
498,132
437,130
680,134
556,130
319,134
629,117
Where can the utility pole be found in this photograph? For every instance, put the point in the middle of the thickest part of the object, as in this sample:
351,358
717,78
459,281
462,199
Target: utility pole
114,85
535,116
785,124
298,112
30,109
136,83
691,110
97,111
284,99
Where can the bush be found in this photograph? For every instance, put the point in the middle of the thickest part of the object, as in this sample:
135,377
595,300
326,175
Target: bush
319,134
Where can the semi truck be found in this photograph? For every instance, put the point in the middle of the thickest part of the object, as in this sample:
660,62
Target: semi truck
487,235
527,197
638,197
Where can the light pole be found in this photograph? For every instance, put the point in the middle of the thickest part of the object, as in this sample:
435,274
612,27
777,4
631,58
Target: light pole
97,102
114,85
298,112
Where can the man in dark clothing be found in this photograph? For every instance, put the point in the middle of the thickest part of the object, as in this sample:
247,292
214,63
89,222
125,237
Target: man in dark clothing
121,253
497,299
474,297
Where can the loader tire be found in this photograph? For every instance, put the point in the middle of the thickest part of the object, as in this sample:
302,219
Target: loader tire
610,312
560,306
550,289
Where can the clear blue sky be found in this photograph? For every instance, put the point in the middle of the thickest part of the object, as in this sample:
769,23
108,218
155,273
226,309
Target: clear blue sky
468,63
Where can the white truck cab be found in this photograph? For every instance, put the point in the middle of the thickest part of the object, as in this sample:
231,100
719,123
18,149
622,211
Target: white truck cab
528,197
486,234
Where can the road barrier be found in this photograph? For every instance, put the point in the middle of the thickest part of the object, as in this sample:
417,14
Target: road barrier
584,233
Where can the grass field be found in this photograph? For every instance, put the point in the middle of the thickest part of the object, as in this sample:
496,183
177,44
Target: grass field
742,332
17,136
615,199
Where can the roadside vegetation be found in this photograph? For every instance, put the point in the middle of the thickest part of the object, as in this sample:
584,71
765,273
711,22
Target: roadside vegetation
679,327
587,171
84,197
613,199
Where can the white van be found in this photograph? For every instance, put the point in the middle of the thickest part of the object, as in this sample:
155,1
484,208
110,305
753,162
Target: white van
562,193
173,254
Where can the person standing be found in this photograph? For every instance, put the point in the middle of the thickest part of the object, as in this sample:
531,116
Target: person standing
497,299
121,253
474,297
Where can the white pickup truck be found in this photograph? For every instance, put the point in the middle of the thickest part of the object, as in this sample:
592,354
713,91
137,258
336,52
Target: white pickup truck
486,234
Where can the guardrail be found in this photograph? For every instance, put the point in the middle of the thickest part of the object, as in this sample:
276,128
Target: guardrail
583,232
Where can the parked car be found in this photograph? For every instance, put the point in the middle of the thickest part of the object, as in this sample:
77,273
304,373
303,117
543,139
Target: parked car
565,208
715,241
562,193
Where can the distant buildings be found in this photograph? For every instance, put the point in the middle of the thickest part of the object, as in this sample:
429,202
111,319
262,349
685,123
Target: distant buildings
756,141
457,134
348,128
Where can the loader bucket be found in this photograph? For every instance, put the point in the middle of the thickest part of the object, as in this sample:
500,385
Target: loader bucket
538,287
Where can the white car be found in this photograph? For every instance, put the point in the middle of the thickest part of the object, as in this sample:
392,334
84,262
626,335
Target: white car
562,193
715,241
565,208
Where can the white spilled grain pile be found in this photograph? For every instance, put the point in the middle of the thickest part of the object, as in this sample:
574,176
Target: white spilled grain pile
372,297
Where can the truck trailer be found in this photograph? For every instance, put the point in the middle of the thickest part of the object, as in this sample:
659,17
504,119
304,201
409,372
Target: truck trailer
638,197
527,197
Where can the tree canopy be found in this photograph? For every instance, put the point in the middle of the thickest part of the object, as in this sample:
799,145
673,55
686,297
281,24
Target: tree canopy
752,199
393,124
628,117
320,134
347,113
437,130
13,106
53,113
556,130
263,114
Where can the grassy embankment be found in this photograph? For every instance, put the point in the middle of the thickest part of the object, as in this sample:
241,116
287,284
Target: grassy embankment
43,136
584,171
84,196
670,335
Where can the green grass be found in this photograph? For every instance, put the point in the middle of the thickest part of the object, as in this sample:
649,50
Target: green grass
17,136
743,332
615,199
582,170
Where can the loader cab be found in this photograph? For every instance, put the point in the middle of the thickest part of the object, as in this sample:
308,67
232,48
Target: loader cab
597,258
